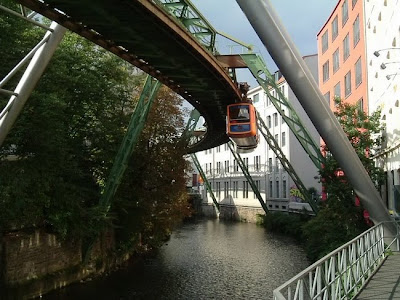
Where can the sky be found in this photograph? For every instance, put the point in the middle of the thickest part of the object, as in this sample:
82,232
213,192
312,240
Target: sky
302,19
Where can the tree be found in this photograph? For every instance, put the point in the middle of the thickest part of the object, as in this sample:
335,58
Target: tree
341,217
66,136
66,139
152,198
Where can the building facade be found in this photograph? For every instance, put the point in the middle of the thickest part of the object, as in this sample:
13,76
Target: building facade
359,61
383,57
229,185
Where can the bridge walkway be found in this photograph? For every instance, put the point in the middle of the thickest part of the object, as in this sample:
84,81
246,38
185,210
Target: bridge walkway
385,283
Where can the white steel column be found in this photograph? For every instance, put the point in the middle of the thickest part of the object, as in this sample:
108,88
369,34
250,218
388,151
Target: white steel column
30,78
272,33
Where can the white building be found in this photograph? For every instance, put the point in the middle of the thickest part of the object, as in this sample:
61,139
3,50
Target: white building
382,30
229,185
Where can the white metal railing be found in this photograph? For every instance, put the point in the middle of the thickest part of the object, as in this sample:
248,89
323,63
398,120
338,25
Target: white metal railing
342,273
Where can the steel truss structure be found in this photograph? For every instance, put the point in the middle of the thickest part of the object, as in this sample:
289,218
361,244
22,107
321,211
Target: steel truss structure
206,182
193,20
246,174
38,59
259,70
136,124
285,162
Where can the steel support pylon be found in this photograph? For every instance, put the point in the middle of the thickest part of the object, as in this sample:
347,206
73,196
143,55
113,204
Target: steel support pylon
129,141
247,175
272,33
259,70
206,182
285,162
136,124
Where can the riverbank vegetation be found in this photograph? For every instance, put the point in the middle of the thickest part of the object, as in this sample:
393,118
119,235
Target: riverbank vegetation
57,158
341,216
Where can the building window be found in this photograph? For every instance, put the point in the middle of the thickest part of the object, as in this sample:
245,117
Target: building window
353,3
325,71
246,161
257,162
219,149
346,47
218,167
284,194
347,84
360,104
327,97
256,98
235,166
283,90
283,139
335,59
275,119
218,189
226,189
337,90
335,28
277,139
226,147
245,189
269,121
357,69
277,188
270,189
345,12
235,189
356,31
270,164
276,164
283,118
324,41
227,166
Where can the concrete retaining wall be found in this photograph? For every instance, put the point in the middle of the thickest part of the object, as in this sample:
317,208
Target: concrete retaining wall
234,213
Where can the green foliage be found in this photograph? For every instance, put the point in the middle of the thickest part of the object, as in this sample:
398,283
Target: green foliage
157,157
340,219
288,224
67,136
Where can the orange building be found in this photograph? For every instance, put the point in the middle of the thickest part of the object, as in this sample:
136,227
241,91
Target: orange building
341,54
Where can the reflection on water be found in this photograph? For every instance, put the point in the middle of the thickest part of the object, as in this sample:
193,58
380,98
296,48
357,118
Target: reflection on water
207,259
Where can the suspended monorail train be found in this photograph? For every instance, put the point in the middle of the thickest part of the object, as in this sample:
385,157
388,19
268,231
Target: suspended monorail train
242,126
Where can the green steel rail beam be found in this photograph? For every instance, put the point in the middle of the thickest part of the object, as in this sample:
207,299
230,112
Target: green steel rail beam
267,81
129,141
192,20
246,174
206,182
285,162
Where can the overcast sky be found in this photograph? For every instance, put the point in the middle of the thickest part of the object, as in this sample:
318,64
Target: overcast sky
302,19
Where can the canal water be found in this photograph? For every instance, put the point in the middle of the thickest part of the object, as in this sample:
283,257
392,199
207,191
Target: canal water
204,259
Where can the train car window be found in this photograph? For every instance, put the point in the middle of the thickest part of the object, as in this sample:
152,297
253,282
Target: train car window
239,113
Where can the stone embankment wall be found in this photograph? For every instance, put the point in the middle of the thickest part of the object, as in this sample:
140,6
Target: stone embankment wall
36,263
234,213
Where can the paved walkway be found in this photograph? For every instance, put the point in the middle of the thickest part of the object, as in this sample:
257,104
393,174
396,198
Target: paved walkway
385,284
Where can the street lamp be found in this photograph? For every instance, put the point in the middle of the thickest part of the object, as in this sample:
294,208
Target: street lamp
376,53
383,65
389,76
